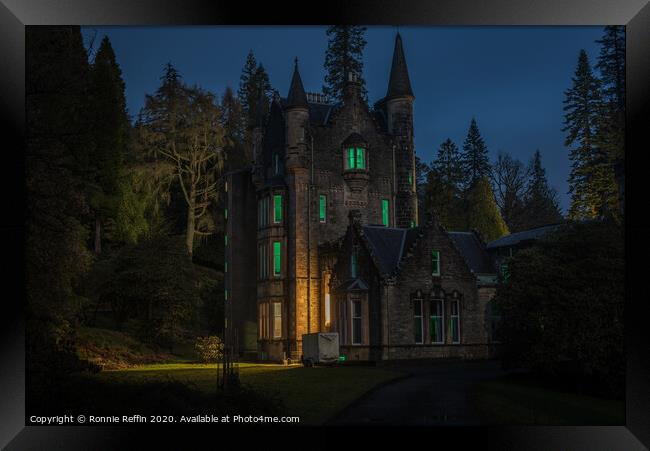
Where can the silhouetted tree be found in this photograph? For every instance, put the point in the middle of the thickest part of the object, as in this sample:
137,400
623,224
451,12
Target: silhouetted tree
481,211
540,201
344,55
509,178
475,161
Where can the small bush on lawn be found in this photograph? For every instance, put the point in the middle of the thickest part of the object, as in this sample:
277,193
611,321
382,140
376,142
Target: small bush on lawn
209,349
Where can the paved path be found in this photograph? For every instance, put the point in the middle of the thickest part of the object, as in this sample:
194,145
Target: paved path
432,394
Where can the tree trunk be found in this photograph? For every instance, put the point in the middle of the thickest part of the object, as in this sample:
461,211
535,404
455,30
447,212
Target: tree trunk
189,234
98,236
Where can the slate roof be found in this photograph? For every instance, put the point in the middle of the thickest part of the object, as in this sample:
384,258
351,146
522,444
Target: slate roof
473,252
388,245
319,113
526,235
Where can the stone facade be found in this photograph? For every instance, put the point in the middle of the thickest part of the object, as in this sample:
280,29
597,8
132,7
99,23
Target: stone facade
315,162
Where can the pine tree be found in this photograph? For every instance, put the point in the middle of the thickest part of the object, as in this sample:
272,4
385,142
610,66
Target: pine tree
254,92
540,202
509,179
234,125
611,128
475,161
58,145
344,55
482,212
582,107
110,126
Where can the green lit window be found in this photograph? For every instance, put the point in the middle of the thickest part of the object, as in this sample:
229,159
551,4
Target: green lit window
417,321
361,161
225,294
356,158
454,322
225,213
353,265
225,240
384,212
412,224
322,208
436,323
435,263
277,258
225,266
411,179
277,208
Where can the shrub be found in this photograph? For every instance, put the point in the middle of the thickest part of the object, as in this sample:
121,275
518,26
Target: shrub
562,307
209,349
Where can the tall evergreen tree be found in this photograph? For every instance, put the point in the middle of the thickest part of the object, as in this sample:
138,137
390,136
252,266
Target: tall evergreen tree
234,125
611,128
254,84
110,126
582,106
344,55
444,186
509,178
58,170
475,160
540,202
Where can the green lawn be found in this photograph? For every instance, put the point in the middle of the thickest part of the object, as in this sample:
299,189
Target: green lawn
313,394
506,401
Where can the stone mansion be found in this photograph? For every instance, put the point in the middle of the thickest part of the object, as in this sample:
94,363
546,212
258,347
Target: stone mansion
322,235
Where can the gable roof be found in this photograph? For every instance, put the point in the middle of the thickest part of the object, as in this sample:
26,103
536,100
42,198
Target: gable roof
525,235
473,252
388,245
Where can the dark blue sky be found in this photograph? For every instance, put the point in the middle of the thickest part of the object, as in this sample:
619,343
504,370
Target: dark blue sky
512,79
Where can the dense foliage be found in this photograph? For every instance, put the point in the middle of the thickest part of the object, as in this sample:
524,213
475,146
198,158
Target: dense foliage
344,56
562,306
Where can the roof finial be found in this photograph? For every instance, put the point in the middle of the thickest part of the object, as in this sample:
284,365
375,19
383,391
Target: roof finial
295,61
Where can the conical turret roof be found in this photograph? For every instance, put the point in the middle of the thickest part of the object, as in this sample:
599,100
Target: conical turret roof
297,96
399,84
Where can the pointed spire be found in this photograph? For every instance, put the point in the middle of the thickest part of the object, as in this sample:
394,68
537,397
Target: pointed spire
296,96
399,84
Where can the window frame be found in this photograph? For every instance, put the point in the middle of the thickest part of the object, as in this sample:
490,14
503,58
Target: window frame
385,212
421,320
277,258
277,320
322,208
441,319
437,260
354,319
451,319
277,208
356,158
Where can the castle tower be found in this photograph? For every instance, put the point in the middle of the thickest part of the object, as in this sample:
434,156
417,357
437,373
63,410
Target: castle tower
299,300
399,111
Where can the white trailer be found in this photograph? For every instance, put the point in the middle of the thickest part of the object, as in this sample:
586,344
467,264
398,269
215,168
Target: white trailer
320,348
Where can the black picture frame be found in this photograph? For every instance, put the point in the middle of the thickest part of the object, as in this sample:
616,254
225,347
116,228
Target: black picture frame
634,14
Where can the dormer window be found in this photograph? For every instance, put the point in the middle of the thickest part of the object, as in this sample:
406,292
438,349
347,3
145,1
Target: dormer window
356,158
